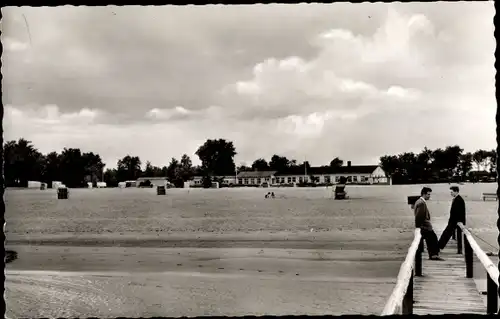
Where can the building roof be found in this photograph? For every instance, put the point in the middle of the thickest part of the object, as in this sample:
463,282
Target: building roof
256,174
326,170
215,176
151,178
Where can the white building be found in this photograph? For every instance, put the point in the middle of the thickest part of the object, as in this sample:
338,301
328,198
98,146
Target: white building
155,181
360,174
226,180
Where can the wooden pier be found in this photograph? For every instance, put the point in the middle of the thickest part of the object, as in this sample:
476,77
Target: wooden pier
443,287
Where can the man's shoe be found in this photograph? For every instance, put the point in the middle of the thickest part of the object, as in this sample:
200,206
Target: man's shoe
435,258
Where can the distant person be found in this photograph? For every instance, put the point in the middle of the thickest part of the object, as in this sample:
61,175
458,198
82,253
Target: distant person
272,194
457,214
423,221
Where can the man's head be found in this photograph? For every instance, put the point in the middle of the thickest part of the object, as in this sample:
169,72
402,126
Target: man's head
454,191
426,193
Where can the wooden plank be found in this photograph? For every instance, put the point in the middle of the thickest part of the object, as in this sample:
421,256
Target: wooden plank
444,288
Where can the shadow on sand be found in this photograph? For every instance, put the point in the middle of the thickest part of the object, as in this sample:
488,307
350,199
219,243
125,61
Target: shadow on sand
10,256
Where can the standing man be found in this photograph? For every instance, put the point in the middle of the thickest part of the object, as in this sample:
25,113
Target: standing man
423,221
457,214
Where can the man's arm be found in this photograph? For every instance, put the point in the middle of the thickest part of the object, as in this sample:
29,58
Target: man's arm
457,212
419,214
460,210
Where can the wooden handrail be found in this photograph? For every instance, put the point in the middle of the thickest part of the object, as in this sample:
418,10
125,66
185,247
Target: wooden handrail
490,267
471,247
404,285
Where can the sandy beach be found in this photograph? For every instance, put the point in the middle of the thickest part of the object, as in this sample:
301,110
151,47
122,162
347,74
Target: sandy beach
214,275
208,253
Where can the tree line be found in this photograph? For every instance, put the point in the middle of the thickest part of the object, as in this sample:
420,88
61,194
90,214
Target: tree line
23,163
440,165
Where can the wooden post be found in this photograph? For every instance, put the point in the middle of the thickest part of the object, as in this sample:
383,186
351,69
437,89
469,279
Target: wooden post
460,239
492,298
418,258
468,259
408,298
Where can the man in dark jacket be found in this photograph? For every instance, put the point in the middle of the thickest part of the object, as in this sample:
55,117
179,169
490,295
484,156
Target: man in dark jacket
457,214
423,221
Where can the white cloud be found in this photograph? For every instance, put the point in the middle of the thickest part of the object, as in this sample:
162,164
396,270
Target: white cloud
14,45
354,87
332,79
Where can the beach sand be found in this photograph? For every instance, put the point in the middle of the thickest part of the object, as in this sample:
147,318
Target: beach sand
216,274
130,253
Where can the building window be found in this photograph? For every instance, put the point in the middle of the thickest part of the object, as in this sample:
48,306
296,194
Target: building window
252,181
349,179
289,179
294,179
240,181
246,180
337,179
273,181
300,179
282,180
354,178
327,179
258,180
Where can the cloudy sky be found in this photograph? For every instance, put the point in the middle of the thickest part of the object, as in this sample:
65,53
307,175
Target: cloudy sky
308,81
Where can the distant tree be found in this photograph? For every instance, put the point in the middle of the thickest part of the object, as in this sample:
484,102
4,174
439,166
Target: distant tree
423,169
390,164
408,167
129,168
217,157
480,158
11,166
453,155
174,173
260,165
439,165
53,166
22,162
206,181
94,167
149,170
243,168
465,166
111,177
336,162
186,167
492,161
279,163
73,167
304,167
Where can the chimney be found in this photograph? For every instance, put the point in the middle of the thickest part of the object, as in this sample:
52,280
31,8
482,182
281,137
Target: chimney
348,163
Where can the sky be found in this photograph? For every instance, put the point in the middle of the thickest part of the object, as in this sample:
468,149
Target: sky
307,81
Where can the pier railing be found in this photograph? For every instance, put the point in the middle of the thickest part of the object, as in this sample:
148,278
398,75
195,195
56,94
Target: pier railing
401,300
471,248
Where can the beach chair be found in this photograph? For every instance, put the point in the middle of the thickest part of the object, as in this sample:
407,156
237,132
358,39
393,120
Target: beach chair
412,200
340,192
